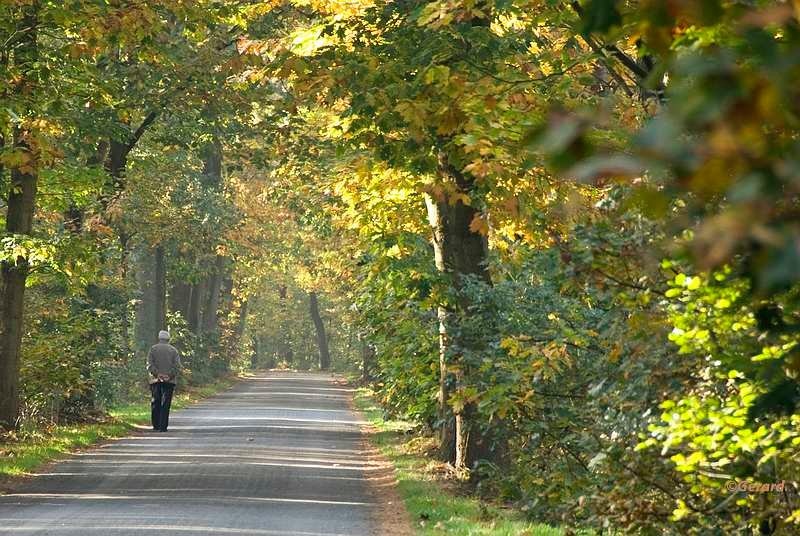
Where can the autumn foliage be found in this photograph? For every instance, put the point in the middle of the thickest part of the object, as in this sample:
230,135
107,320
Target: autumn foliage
560,236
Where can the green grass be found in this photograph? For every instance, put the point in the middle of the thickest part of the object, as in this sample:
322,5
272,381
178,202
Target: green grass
436,509
25,455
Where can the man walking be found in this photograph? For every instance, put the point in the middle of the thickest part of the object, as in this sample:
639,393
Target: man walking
163,362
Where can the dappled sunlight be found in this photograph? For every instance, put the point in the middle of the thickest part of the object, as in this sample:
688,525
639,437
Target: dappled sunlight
306,377
165,457
217,430
267,410
387,476
305,388
280,419
242,452
343,466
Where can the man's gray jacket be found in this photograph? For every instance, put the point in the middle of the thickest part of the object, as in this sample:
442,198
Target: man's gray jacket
163,359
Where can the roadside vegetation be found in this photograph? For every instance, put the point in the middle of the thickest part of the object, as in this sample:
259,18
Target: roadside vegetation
436,500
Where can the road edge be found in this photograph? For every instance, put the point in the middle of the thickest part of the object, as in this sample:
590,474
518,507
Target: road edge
391,518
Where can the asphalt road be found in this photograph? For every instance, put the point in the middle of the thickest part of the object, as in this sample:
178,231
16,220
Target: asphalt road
280,453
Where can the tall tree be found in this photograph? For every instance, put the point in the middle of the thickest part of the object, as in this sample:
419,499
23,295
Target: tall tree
212,179
21,203
460,253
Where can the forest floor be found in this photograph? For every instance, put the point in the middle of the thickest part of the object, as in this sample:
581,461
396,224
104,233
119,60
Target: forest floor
436,500
279,453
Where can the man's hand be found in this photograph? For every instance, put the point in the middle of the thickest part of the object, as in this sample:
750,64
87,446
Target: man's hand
163,377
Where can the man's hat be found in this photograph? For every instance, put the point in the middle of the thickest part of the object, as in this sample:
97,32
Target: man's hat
163,335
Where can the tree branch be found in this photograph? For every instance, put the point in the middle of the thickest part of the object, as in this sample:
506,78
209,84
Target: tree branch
626,283
134,139
628,62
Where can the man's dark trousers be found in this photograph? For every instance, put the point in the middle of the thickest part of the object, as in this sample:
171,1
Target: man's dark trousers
159,404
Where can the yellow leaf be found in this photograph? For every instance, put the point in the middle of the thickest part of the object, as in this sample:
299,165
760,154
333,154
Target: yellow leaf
479,225
458,197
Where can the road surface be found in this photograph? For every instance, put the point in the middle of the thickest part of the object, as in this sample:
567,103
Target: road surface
278,454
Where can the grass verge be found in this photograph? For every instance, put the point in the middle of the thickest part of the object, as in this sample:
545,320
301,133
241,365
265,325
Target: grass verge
435,507
26,455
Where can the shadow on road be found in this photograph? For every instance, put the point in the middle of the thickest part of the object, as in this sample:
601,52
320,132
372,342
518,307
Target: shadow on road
280,453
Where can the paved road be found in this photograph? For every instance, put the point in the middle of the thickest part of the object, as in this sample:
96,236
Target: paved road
280,453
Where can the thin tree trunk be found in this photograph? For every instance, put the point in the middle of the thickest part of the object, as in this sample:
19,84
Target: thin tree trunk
447,430
319,326
285,351
210,314
241,324
127,311
212,179
196,307
160,288
74,215
21,204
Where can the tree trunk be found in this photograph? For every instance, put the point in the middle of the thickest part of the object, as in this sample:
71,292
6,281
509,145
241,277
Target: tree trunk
285,351
161,288
210,315
447,431
151,304
195,316
254,357
226,304
116,162
73,219
212,179
367,361
21,204
212,164
127,311
460,253
180,296
319,326
269,362
241,324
